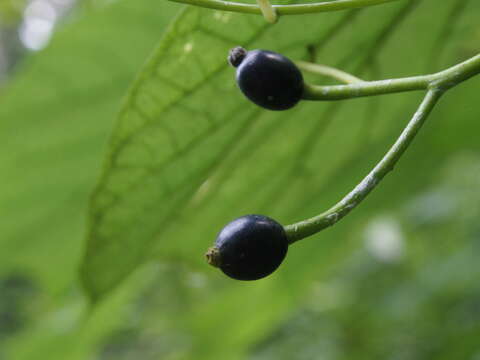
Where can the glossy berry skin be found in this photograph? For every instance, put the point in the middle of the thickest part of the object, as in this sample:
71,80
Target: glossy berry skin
268,79
250,247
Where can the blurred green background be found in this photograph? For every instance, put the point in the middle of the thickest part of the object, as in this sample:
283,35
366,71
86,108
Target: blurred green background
126,146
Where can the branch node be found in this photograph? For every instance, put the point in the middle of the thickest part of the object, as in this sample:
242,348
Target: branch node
268,11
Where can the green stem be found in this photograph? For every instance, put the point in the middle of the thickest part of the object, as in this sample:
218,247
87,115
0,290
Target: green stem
444,79
313,225
296,9
328,71
365,88
447,79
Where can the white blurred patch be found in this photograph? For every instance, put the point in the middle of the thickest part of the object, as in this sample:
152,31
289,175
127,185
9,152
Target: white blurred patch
384,239
62,3
39,19
35,33
38,22
41,9
62,6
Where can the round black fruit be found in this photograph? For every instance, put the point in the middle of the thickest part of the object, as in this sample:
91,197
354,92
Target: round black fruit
249,248
268,79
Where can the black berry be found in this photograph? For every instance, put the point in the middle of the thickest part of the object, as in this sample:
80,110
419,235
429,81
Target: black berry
268,79
249,248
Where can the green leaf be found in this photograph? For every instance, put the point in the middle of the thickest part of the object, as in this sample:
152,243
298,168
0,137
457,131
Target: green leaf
55,118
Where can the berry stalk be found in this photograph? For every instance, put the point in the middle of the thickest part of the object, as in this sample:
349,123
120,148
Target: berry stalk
315,224
296,9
